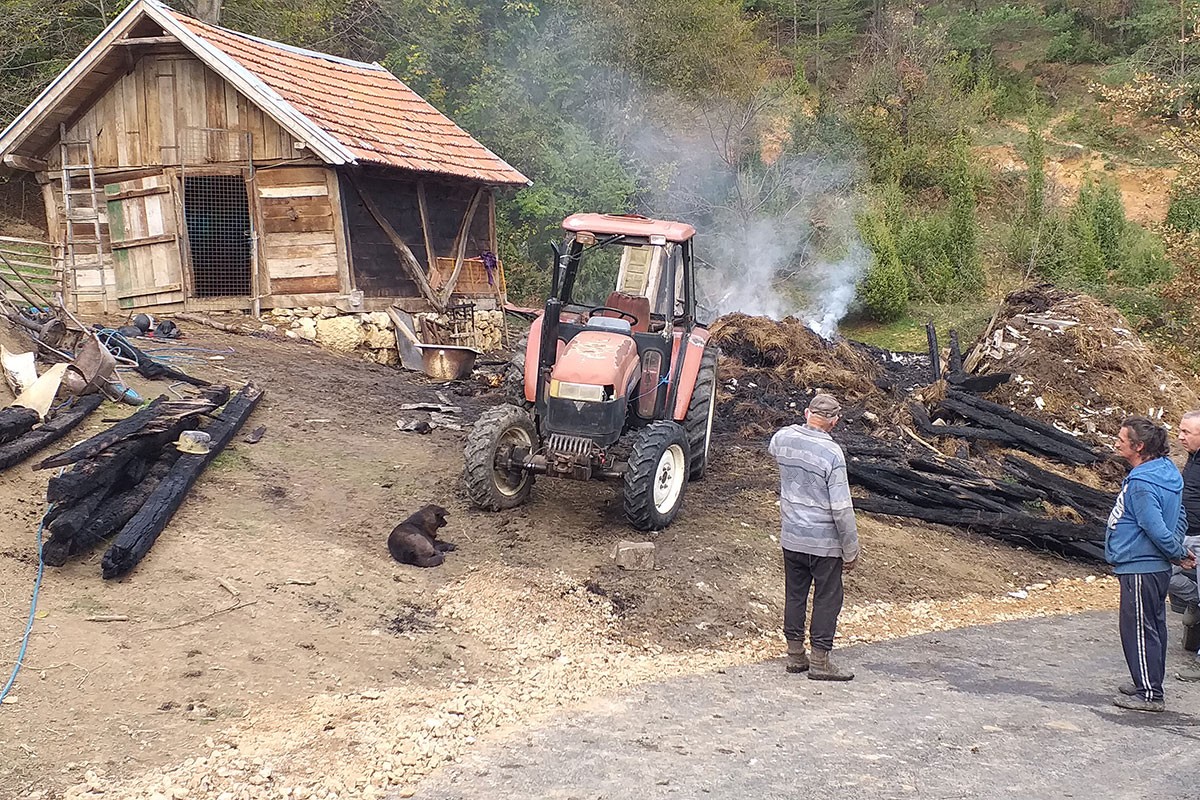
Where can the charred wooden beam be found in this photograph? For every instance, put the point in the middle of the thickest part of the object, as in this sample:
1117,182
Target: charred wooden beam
65,525
935,357
1085,499
16,422
1074,453
916,488
1021,419
90,447
925,425
142,530
864,446
979,383
116,510
22,448
1064,537
943,466
955,364
160,416
106,468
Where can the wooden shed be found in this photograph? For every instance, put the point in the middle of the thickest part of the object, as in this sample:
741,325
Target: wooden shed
184,165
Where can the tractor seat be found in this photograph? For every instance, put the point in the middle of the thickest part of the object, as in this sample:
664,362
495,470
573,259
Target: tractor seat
635,305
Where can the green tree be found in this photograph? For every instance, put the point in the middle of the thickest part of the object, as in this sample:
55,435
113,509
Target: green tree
884,290
962,234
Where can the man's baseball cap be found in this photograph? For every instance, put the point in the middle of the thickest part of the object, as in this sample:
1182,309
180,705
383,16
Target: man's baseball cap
825,405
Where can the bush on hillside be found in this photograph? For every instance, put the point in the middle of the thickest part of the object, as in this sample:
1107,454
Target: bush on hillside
884,290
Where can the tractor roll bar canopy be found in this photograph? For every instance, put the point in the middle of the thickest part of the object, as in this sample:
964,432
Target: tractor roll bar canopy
629,225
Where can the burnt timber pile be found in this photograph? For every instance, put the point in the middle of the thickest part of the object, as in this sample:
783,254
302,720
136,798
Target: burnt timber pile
21,435
1013,440
128,481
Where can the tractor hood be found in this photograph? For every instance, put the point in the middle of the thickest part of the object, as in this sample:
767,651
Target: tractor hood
599,358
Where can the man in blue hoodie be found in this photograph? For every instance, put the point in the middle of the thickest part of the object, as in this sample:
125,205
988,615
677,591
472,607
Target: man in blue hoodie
1144,538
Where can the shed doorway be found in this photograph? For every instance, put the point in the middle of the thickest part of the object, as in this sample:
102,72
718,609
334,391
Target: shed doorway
216,210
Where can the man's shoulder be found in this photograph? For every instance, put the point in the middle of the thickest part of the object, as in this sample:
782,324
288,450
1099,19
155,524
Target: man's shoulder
803,437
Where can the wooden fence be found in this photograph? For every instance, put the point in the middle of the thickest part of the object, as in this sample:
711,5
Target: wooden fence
28,268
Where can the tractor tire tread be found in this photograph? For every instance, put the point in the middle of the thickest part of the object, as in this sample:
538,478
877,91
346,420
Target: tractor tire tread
638,494
479,458
696,421
513,383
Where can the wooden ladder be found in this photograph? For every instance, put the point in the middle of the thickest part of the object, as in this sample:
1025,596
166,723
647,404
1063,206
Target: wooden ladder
80,209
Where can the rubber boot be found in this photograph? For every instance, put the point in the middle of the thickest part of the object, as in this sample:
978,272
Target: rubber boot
1138,704
822,668
797,657
1191,638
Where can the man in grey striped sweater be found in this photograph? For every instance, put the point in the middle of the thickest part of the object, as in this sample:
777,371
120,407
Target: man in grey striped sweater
819,535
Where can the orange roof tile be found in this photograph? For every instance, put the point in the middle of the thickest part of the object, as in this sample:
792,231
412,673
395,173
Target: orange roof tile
363,107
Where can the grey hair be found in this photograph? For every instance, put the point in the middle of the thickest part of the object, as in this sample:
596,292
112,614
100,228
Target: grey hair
1190,415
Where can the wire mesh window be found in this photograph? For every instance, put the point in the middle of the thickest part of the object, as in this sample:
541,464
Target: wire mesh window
217,213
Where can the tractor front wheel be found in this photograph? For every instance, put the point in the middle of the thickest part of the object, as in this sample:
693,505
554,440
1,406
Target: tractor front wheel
656,476
492,484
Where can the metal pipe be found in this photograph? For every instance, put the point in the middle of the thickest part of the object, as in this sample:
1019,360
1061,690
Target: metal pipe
548,347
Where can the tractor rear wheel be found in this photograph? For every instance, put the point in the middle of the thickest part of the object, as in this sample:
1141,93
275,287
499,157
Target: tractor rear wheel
490,485
656,476
701,410
513,384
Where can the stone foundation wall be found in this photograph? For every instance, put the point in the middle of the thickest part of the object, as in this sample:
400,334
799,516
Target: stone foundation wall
369,334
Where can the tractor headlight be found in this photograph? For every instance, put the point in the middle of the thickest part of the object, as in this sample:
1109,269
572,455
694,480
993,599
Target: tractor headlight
577,391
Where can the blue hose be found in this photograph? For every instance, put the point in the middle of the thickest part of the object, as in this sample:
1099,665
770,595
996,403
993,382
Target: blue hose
37,585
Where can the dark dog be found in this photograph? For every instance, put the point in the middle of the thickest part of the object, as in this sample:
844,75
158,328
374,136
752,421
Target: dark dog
415,541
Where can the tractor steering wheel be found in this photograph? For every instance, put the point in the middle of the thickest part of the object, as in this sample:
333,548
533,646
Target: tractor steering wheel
632,318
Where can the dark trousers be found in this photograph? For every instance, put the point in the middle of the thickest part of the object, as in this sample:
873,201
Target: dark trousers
1143,623
822,574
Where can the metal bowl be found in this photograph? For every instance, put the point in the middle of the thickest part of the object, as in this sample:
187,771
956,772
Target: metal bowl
447,362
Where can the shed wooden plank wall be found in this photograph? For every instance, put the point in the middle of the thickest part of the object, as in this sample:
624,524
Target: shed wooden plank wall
146,124
301,234
377,268
141,119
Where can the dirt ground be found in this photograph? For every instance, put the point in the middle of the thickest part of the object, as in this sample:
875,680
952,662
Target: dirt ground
1145,190
335,672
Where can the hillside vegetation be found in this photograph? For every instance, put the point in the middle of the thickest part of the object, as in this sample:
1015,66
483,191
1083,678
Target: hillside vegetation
890,160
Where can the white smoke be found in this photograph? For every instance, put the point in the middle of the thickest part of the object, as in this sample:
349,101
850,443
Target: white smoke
772,191
775,226
804,260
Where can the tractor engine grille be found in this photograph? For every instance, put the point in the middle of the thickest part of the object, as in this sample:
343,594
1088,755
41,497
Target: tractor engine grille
562,445
570,456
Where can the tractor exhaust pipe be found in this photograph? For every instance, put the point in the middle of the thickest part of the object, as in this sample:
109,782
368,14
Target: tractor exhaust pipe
548,347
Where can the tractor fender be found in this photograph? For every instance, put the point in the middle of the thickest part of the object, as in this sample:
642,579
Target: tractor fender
697,340
599,358
532,355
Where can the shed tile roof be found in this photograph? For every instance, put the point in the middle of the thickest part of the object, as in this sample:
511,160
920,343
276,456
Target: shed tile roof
365,108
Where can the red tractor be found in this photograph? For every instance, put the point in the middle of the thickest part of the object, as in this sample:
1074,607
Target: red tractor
619,378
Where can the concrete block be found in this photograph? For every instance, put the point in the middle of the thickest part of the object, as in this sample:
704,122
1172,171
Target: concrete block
634,556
